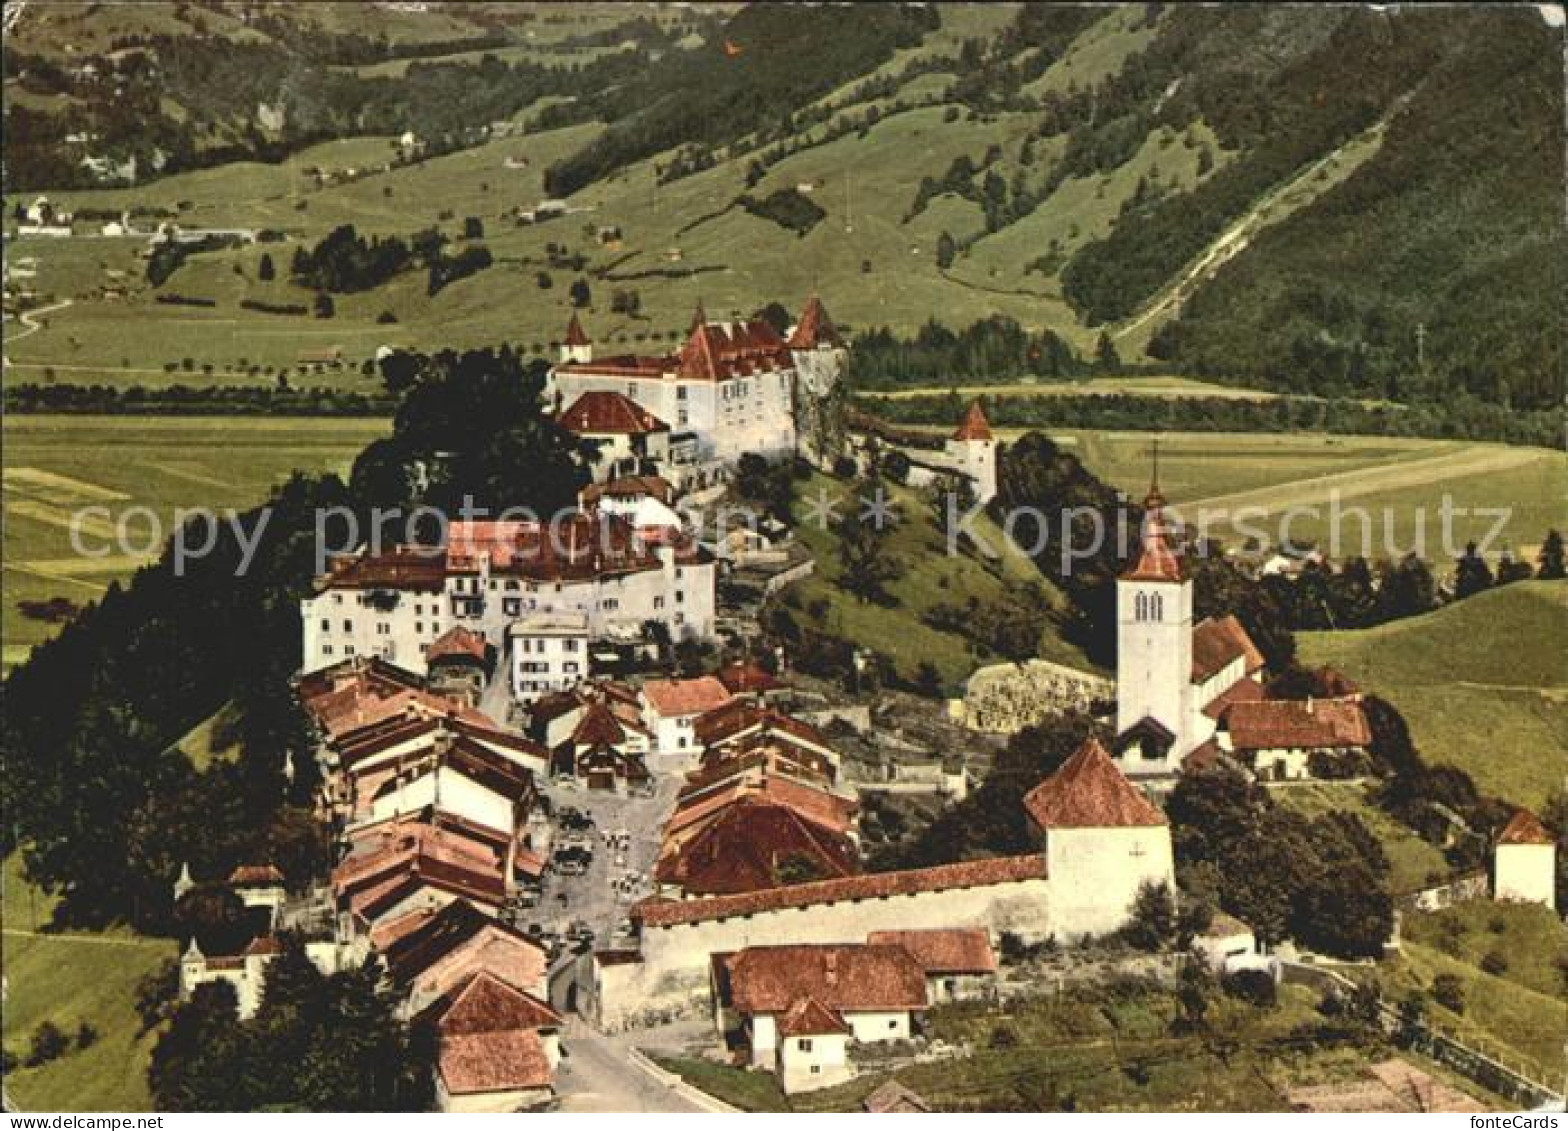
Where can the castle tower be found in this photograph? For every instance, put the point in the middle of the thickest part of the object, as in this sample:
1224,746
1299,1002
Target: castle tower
972,451
819,355
1154,692
577,347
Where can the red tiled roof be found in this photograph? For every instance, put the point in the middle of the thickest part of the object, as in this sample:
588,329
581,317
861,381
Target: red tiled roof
955,951
717,351
458,642
1157,561
974,426
598,727
1309,724
1089,792
494,1062
809,1017
894,1098
745,676
1201,758
409,953
575,335
852,978
630,487
674,698
604,412
413,568
256,876
1242,691
1525,828
265,946
483,1003
815,328
877,885
747,844
1216,641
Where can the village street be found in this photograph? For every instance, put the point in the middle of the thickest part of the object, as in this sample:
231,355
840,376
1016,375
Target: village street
597,1074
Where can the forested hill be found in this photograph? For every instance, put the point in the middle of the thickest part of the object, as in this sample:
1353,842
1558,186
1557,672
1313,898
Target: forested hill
1332,200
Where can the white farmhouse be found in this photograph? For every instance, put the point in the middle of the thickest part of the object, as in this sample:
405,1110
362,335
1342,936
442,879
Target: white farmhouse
671,707
1525,862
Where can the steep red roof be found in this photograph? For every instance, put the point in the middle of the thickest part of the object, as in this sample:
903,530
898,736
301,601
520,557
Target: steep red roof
744,677
942,877
457,643
815,328
1216,641
485,1004
609,413
630,487
854,978
673,698
1242,691
598,727
717,351
1525,828
494,1062
974,426
1156,561
1089,792
747,845
956,951
575,334
1309,724
809,1017
256,876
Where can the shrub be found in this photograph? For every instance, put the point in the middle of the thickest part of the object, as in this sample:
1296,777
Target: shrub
1449,992
1253,986
1003,1037
386,318
1495,963
49,1043
86,1035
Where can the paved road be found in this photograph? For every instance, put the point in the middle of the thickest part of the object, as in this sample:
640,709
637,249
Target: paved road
596,1075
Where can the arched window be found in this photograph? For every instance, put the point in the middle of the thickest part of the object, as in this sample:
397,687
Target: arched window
1158,602
1140,605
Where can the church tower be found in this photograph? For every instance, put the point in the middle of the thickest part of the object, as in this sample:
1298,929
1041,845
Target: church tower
1154,693
577,347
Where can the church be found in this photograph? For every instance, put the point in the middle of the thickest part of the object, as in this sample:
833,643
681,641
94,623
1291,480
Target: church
1174,679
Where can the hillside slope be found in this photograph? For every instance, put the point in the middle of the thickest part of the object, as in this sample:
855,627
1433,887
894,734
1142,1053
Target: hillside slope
1290,196
1480,682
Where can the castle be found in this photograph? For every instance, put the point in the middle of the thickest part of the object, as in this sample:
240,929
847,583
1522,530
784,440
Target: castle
733,387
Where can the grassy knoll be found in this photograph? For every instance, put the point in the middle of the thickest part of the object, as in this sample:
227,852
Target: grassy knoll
1414,862
1528,936
70,979
927,576
1481,683
56,465
1110,1052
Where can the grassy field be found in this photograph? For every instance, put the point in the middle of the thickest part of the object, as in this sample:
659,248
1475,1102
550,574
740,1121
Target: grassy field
70,979
1114,1053
55,465
1162,386
1413,861
927,576
1481,683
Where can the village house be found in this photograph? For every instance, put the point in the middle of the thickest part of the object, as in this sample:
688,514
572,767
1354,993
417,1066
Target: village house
548,653
602,751
631,440
670,710
396,603
958,963
429,952
498,1047
260,885
1524,862
796,1009
458,665
1295,739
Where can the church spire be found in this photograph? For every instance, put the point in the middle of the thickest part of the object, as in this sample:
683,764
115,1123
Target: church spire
1157,561
699,317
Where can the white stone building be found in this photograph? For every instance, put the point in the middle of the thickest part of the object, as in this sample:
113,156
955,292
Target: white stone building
547,652
732,388
1524,862
671,707
395,604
